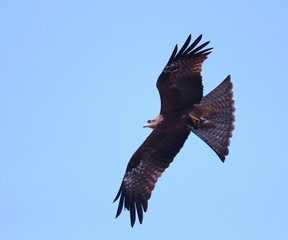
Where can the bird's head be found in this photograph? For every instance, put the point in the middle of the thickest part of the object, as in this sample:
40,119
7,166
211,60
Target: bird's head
154,123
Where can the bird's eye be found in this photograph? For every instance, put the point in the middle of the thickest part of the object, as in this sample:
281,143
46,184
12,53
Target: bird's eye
149,121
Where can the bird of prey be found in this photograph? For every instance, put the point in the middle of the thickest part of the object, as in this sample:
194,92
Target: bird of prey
184,109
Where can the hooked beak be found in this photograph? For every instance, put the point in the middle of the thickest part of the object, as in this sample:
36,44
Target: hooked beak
148,124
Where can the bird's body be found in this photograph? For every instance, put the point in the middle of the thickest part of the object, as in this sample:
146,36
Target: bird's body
179,118
183,110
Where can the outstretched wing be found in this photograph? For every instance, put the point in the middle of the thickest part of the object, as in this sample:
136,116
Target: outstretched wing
145,167
180,83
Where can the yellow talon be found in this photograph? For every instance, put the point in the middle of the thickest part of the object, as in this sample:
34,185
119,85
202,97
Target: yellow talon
195,122
194,119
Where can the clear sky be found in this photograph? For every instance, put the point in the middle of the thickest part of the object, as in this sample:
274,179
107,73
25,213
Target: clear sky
77,82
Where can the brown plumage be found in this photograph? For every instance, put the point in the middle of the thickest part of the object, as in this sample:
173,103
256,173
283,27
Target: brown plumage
183,109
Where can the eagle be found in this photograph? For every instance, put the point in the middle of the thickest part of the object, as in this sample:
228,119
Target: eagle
184,109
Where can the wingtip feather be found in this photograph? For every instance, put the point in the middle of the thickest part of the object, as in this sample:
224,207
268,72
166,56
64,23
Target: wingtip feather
173,54
139,211
187,50
120,206
132,214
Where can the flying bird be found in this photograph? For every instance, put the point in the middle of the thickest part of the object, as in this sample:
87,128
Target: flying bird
183,110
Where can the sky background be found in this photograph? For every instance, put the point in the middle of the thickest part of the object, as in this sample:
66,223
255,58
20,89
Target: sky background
77,82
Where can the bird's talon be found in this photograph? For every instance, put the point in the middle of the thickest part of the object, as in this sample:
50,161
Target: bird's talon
195,123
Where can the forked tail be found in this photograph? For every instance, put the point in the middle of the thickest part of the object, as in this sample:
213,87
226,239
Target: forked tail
221,121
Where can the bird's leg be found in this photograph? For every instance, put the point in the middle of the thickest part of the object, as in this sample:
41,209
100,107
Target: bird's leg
194,122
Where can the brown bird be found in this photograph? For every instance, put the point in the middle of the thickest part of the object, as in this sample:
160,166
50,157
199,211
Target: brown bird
183,110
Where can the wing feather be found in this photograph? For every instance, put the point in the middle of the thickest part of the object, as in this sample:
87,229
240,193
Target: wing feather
194,44
184,47
145,167
180,83
199,48
173,54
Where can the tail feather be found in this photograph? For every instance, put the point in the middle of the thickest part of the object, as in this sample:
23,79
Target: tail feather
222,119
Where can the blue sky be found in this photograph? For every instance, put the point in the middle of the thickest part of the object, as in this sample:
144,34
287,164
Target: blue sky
77,82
